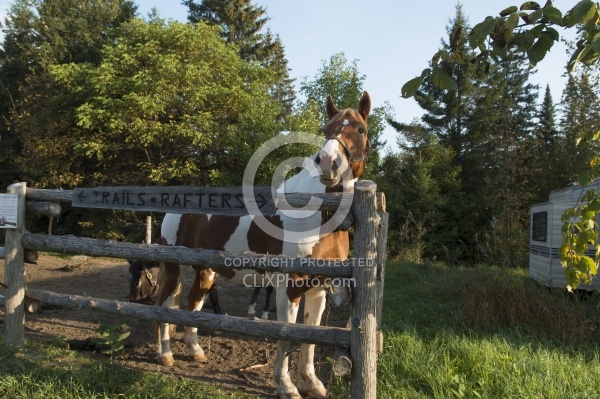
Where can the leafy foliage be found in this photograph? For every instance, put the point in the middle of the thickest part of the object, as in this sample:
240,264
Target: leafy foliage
528,29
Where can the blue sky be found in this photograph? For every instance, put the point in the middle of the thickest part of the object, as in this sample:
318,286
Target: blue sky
391,40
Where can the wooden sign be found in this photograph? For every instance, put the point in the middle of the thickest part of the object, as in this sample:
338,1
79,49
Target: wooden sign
212,200
8,211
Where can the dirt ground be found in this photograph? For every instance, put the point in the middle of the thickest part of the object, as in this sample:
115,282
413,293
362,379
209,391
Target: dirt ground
229,356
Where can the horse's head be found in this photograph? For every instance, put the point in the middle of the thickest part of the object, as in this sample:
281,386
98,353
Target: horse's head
143,281
344,154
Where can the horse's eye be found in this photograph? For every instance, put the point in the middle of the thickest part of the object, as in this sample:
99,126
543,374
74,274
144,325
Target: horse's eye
361,130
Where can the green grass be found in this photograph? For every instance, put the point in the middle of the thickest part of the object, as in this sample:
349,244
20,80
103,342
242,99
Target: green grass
485,333
450,332
50,371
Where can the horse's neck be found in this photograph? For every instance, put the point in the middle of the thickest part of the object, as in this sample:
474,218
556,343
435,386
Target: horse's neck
294,222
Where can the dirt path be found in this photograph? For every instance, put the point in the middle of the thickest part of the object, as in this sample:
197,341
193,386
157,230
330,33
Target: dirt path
108,278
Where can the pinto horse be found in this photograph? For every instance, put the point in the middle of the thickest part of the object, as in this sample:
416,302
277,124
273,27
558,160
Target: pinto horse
336,167
143,288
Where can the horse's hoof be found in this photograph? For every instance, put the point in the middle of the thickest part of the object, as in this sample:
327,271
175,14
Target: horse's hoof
316,393
264,316
167,360
198,357
292,395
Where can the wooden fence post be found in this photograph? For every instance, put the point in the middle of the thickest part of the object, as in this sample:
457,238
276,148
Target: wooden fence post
364,299
14,275
381,259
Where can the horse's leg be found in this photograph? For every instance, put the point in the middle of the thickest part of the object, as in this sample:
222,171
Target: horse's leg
287,310
314,305
253,298
171,277
214,299
202,284
265,313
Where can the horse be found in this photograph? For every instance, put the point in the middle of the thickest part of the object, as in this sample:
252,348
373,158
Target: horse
143,288
339,163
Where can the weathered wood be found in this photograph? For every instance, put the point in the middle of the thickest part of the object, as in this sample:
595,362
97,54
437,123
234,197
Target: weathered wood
342,360
331,201
29,257
148,238
38,194
342,363
364,305
214,200
327,201
31,305
382,231
43,208
328,336
191,256
14,275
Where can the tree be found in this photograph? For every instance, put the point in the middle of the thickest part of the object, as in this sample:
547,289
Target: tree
422,189
497,37
548,152
242,24
39,34
168,104
581,114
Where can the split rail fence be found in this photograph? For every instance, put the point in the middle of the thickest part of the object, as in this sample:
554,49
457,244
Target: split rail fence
359,343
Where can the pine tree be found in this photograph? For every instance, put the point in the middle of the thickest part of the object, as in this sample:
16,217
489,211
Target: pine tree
242,24
547,163
39,34
580,113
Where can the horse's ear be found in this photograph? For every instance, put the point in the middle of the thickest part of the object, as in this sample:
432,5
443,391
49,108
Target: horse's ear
331,108
364,106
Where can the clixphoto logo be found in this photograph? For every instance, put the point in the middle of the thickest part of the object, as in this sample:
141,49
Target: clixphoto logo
279,279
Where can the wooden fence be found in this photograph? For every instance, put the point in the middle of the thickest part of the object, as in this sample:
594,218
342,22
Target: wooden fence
360,342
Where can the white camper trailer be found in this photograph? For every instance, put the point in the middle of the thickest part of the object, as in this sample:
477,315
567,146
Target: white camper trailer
545,237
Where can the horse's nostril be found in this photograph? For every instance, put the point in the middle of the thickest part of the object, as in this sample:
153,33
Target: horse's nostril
318,159
337,163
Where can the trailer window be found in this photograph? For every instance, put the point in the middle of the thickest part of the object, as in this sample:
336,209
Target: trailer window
539,226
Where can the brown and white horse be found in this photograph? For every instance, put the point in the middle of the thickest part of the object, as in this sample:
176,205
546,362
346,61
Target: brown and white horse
336,167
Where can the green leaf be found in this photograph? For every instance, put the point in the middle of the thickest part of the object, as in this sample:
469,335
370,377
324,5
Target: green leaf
409,89
540,48
553,33
442,80
578,56
512,21
535,16
481,31
596,43
530,5
581,13
553,14
508,11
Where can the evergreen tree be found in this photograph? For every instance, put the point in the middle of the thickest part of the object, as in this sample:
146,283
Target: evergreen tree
547,163
447,111
580,108
501,129
242,24
37,35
